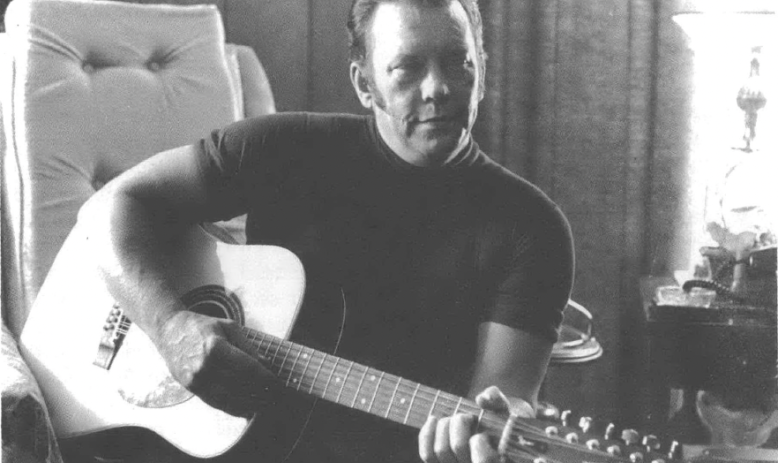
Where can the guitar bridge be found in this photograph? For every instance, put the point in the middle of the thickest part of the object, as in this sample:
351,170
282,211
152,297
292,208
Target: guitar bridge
114,331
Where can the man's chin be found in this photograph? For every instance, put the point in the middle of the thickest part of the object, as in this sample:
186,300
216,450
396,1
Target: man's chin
438,150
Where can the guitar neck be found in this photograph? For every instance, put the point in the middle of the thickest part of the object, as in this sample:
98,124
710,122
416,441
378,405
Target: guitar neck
397,399
360,387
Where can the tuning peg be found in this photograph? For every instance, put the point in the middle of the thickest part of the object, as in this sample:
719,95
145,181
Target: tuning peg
610,431
547,411
675,450
552,431
585,423
630,437
565,417
614,450
636,457
572,438
658,460
651,443
593,444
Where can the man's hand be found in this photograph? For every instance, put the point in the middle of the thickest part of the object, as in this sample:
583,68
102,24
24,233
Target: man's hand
452,439
202,354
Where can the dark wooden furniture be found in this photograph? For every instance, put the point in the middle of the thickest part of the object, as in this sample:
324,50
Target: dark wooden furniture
728,349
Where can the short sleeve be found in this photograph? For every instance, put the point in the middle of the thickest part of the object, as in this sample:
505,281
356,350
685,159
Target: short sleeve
538,276
244,156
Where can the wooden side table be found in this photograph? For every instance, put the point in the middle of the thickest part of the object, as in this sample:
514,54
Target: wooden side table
727,349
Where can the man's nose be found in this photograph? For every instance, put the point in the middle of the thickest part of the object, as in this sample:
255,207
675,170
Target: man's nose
435,85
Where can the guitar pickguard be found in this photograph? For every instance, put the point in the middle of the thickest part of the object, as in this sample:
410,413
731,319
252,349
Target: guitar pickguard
148,383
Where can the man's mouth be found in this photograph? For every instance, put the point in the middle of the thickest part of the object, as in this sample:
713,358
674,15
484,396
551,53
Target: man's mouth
439,120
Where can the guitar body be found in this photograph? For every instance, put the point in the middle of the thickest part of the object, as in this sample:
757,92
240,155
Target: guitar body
97,371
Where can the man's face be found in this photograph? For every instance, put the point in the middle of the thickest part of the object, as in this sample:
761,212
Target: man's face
422,79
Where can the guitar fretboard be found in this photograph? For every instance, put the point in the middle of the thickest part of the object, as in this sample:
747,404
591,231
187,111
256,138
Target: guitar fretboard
356,386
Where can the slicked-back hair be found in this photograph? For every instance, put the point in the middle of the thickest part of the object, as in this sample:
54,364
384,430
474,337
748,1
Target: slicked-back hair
361,16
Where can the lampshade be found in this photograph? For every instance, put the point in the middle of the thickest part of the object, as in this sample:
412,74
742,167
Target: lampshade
726,25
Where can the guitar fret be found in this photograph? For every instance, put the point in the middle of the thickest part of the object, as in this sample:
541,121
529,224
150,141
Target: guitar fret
394,396
459,403
434,401
375,392
305,369
294,364
281,368
269,345
343,384
316,375
413,397
275,354
359,386
327,385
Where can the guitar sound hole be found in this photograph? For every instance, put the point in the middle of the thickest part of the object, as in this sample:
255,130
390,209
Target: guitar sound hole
210,309
214,301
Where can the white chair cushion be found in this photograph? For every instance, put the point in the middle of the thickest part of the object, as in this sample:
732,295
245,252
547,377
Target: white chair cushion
97,87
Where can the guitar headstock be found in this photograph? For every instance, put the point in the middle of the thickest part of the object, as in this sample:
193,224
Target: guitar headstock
565,439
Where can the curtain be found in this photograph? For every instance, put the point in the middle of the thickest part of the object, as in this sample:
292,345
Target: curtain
571,105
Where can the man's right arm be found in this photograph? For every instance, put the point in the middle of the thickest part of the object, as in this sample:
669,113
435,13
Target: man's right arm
128,222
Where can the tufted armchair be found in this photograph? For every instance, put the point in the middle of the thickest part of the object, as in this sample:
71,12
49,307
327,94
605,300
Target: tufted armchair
88,89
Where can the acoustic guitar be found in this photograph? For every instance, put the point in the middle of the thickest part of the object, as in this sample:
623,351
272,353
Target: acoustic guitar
97,371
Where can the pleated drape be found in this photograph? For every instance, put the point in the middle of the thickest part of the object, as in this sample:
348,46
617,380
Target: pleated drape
588,100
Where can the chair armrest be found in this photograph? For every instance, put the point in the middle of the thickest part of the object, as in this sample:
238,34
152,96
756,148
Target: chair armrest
27,433
257,94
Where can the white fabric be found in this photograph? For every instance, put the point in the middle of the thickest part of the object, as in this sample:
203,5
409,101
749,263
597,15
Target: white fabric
27,432
233,66
97,87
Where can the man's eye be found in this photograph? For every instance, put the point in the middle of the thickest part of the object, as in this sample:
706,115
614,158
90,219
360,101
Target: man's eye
408,66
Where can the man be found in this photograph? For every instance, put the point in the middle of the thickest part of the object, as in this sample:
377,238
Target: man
454,270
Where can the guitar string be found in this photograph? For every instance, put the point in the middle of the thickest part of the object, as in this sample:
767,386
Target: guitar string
421,393
495,426
443,401
447,401
324,369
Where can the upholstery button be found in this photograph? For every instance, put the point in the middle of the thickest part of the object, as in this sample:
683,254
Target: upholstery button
154,66
88,68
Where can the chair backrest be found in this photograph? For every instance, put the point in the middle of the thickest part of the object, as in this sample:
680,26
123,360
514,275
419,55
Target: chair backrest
95,87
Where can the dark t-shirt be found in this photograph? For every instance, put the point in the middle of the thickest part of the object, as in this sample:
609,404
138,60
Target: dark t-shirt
422,255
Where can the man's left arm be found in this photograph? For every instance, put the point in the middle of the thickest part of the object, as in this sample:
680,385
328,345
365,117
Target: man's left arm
513,360
510,366
511,363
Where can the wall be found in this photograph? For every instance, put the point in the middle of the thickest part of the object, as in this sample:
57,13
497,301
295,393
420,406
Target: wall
303,44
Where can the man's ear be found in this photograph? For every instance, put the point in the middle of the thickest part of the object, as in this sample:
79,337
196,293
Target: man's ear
361,86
